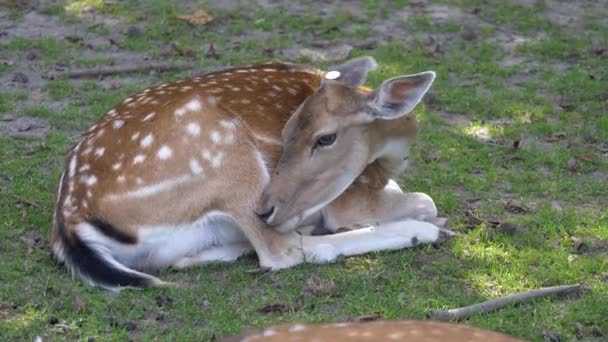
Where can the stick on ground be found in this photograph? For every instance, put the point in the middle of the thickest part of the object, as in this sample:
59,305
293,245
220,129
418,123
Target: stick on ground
495,304
105,71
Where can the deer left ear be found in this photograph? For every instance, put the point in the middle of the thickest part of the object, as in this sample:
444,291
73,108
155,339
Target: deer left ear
352,73
398,96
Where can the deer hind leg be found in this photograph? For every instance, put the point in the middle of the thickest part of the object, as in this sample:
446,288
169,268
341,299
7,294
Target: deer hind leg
226,253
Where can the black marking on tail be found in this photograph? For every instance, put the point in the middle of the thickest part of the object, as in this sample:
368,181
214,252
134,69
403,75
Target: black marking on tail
110,231
87,262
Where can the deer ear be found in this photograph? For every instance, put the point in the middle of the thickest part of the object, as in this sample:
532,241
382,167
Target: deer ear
398,96
352,73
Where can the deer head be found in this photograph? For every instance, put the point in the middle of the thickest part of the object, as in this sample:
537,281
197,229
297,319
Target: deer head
333,136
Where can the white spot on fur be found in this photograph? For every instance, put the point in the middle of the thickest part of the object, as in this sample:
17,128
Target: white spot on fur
269,332
120,179
297,327
147,140
91,180
116,166
135,136
180,112
164,152
228,124
214,159
211,100
84,167
276,87
153,189
193,129
117,124
229,140
139,159
100,151
149,116
72,166
196,167
215,136
193,105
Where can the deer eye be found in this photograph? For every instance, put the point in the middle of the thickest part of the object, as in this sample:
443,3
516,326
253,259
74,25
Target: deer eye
326,140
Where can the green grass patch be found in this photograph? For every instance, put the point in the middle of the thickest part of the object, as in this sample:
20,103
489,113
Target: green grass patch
493,137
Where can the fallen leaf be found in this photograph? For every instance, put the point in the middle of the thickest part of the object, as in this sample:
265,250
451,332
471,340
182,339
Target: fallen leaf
79,304
515,208
473,217
257,270
596,331
565,103
273,308
556,136
587,158
60,328
364,318
552,336
572,164
128,325
29,203
31,239
516,144
268,51
163,299
199,18
507,228
577,242
599,51
316,286
211,52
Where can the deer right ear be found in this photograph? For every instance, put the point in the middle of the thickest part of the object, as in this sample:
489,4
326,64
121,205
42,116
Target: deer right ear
400,95
352,73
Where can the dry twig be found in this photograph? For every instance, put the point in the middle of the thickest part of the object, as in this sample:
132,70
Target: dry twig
495,304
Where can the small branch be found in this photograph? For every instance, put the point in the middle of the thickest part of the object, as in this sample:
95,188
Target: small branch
126,69
495,304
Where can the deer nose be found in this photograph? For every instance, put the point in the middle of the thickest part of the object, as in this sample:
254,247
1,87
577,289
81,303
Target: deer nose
266,215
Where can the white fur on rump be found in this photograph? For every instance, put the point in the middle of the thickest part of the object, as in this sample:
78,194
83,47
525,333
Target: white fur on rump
162,246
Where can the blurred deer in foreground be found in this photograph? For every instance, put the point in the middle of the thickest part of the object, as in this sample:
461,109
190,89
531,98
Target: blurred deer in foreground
419,331
246,159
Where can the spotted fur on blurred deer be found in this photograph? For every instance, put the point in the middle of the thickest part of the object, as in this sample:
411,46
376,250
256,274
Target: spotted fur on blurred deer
404,330
246,159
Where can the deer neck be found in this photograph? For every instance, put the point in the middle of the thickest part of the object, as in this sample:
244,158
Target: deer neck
391,141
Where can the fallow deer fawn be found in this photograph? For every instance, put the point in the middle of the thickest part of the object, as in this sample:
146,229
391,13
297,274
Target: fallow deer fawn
174,175
423,331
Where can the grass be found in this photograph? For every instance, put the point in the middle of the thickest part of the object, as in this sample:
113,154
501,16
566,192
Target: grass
465,159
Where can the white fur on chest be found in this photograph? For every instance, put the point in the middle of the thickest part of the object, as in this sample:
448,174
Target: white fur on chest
161,246
395,154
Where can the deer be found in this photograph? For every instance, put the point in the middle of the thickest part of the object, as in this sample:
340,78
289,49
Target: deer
272,158
382,330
